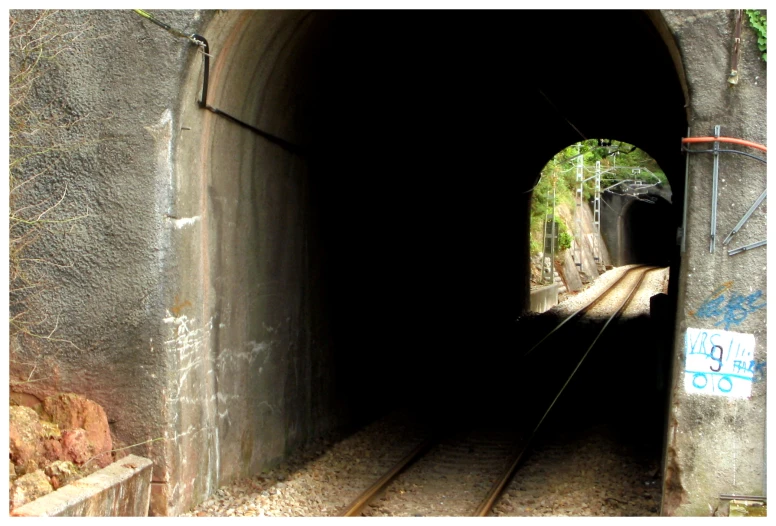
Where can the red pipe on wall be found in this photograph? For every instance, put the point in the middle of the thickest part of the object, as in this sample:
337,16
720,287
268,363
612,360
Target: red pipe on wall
687,140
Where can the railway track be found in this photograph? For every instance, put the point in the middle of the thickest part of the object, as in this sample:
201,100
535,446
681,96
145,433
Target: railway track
465,473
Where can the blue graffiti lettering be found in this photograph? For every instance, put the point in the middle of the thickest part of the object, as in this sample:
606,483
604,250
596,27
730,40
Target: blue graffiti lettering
702,349
757,368
732,309
752,367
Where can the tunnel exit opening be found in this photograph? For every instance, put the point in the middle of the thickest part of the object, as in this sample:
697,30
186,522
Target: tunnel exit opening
386,264
581,220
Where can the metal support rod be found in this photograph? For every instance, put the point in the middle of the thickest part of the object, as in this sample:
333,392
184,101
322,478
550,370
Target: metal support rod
725,496
554,235
597,212
549,242
714,182
733,75
686,198
578,215
744,248
746,217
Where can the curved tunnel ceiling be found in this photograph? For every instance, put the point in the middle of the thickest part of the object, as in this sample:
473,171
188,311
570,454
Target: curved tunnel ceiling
503,90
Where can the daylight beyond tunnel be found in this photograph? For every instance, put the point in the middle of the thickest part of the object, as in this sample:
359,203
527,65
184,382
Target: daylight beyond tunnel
424,133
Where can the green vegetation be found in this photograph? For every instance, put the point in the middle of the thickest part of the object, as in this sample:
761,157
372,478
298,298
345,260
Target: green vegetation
618,161
760,25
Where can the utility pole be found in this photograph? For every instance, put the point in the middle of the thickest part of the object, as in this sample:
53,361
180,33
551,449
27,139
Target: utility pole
597,214
578,213
548,265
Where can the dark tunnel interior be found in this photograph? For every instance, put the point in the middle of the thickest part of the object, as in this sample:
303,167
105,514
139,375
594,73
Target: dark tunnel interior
648,231
427,131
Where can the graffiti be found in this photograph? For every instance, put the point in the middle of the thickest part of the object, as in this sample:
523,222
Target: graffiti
728,307
716,359
752,367
721,363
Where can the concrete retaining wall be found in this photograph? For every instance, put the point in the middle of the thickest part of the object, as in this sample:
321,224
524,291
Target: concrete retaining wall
544,298
122,489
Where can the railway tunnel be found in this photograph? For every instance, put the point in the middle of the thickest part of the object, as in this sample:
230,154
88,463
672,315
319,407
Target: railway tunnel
374,233
344,228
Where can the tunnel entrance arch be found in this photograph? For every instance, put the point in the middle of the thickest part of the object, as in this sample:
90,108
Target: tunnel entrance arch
399,230
646,233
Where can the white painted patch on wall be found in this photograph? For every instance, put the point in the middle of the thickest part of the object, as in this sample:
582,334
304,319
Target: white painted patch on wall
184,221
162,134
720,363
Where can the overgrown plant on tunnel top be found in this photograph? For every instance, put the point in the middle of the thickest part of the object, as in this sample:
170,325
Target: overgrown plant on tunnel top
760,25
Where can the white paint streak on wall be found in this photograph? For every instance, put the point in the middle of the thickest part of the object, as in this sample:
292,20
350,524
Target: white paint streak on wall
162,134
185,221
191,394
230,357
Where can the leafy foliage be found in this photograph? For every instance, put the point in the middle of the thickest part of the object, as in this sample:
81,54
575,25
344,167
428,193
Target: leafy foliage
619,162
564,238
760,25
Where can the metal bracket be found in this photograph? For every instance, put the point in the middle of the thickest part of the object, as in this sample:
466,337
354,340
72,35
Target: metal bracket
714,181
738,250
746,217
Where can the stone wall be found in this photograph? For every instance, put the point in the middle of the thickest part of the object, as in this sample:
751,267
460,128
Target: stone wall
716,428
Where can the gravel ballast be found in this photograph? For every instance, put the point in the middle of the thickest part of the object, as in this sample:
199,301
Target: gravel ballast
590,471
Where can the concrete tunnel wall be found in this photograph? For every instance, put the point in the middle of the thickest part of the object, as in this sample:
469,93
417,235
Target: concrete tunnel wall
270,293
715,443
400,235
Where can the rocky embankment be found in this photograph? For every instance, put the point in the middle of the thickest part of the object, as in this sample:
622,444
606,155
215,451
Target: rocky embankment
53,443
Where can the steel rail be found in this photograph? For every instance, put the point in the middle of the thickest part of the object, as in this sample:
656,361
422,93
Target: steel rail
355,507
595,301
500,485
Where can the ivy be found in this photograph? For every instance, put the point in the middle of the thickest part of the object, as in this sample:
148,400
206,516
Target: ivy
760,25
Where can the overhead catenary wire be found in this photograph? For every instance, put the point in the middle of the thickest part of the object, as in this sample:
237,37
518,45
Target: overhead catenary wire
562,115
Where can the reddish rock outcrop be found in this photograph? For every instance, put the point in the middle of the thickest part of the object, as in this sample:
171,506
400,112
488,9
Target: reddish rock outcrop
62,439
30,487
84,426
26,435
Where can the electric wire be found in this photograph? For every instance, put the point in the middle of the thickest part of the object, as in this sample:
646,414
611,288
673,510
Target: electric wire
562,115
688,150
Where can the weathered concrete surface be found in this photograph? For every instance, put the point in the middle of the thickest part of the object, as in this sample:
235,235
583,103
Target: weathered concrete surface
570,272
248,333
111,291
544,298
122,489
716,444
